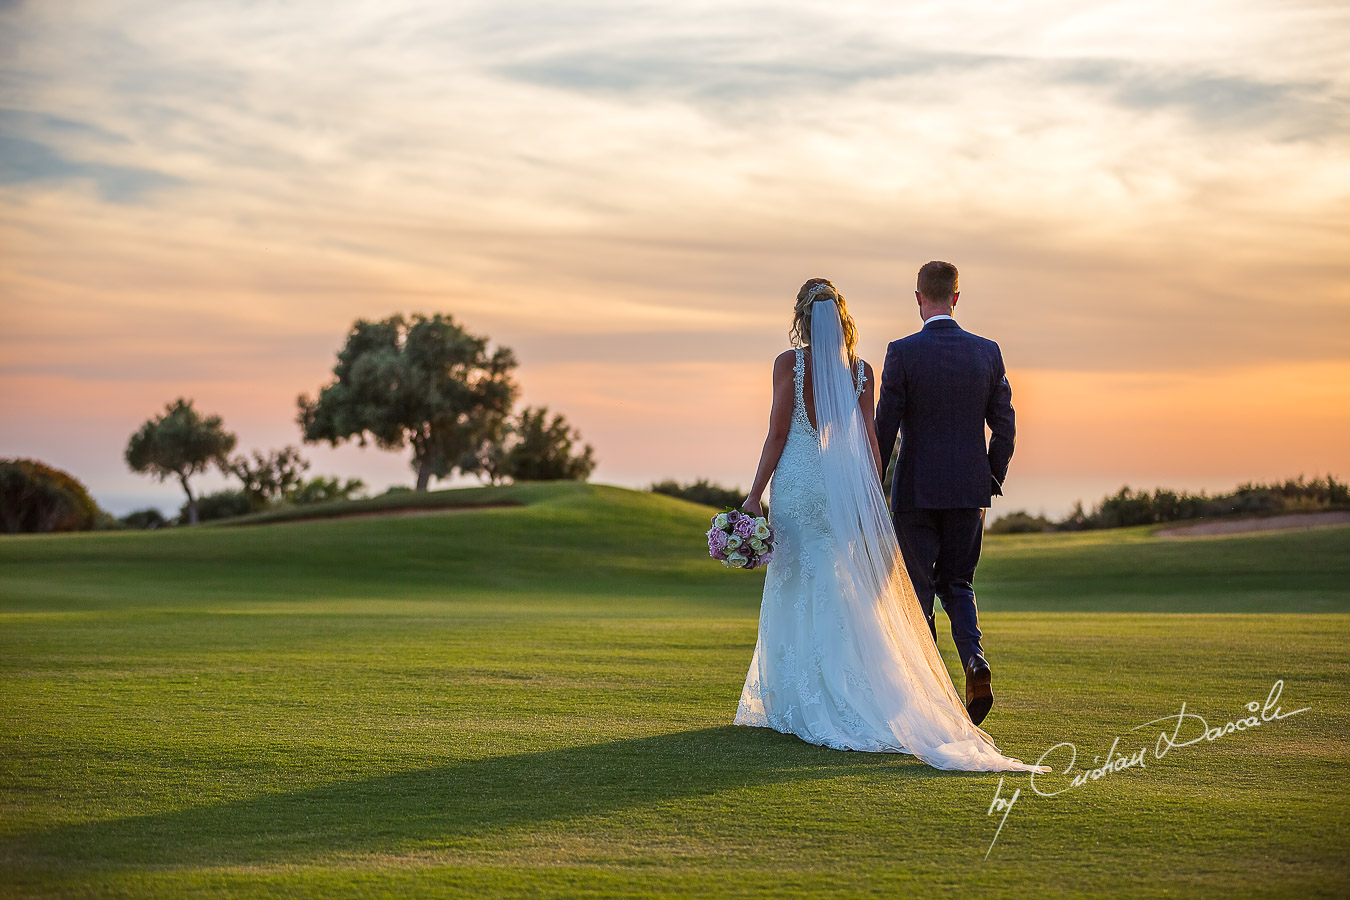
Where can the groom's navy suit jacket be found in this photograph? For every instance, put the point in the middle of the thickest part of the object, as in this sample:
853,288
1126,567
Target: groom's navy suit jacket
939,388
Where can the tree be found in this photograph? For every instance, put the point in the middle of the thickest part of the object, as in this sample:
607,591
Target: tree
180,443
420,382
538,448
269,477
487,458
35,497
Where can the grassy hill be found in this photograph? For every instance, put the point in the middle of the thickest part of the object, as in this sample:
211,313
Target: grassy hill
604,547
565,543
535,700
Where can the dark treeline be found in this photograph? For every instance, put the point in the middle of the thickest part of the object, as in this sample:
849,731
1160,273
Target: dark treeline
1129,507
1124,508
701,491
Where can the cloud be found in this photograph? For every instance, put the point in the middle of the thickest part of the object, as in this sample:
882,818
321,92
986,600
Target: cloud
1229,103
725,80
24,161
30,152
201,192
718,79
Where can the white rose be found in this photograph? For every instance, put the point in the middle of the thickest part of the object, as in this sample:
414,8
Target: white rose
736,561
733,542
757,545
761,529
721,520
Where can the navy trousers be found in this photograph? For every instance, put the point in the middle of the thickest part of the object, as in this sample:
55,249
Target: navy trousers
941,548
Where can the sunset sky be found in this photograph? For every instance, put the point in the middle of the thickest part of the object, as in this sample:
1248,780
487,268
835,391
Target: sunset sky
1149,203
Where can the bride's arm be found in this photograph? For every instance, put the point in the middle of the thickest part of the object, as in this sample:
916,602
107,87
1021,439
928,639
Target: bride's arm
780,420
869,412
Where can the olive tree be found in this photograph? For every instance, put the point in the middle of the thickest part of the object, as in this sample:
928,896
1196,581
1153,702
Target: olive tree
180,443
422,382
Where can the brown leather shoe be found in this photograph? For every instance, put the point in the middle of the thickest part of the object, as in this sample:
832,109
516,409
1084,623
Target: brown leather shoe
979,694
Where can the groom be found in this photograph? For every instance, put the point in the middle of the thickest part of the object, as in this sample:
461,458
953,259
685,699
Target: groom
939,388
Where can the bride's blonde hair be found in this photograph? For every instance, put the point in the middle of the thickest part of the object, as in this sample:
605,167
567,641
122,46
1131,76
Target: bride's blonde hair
800,333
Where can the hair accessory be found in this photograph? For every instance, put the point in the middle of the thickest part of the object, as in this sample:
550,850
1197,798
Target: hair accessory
817,288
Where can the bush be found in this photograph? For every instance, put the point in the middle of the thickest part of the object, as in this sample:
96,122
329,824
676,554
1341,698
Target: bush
1021,522
272,476
35,497
220,505
146,519
1125,508
1128,507
702,491
323,490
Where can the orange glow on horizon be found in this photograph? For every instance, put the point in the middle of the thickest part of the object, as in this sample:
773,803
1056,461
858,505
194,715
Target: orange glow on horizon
1150,220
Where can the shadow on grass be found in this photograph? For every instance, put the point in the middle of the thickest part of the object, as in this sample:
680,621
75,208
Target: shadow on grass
448,804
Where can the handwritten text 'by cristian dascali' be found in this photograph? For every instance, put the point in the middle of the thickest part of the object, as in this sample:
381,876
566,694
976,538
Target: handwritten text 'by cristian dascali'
1186,728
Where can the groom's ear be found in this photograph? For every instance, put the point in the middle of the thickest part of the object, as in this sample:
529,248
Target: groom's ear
956,296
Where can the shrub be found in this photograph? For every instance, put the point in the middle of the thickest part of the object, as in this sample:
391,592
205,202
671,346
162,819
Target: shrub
220,505
1128,507
270,477
322,490
35,497
702,491
1021,522
146,519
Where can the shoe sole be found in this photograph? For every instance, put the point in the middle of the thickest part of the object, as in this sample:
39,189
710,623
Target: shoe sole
979,699
979,706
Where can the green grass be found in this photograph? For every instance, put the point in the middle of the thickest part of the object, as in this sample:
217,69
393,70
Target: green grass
535,701
1129,570
411,501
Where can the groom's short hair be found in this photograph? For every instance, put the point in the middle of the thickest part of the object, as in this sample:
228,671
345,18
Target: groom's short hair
938,281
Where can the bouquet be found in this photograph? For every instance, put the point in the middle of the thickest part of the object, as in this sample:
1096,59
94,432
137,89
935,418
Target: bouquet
740,540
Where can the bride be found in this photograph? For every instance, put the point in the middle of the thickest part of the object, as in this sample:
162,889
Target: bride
844,657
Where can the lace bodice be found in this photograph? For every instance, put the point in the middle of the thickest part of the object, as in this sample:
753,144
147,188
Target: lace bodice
799,416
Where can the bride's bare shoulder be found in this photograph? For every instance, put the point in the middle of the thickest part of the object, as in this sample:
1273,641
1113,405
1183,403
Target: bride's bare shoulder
783,364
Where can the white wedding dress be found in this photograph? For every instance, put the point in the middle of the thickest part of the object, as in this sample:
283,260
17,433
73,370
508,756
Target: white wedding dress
844,657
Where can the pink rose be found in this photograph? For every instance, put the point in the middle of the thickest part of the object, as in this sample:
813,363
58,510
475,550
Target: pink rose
745,528
717,543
